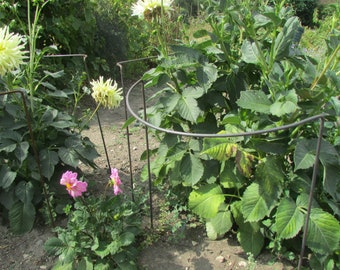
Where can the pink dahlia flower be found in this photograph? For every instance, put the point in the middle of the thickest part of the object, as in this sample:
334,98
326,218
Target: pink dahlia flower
74,187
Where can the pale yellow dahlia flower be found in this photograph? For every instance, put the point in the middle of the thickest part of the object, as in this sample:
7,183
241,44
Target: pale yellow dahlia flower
147,9
106,93
11,51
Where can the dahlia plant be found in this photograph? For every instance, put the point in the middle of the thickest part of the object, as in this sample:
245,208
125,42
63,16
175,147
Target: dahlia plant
101,230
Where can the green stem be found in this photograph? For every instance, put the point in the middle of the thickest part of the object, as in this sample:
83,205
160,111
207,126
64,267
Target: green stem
317,78
92,115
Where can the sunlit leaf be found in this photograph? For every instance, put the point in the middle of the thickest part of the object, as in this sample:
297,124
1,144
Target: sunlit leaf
206,200
289,219
244,162
323,235
219,225
254,100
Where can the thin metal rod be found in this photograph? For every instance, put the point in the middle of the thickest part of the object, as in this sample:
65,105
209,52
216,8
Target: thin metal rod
104,144
311,193
148,157
127,129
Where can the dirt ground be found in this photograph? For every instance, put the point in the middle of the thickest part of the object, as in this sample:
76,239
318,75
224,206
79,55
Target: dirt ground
194,251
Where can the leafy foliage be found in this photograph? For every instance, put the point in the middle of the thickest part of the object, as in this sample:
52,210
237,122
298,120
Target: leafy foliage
101,233
250,74
40,133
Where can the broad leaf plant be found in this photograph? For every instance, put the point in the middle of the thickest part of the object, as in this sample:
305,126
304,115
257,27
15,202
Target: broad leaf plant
247,72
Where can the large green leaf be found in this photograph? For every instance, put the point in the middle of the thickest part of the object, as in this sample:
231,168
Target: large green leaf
250,237
260,197
191,169
206,75
48,160
304,154
230,177
331,181
323,235
250,53
286,104
206,200
21,217
289,219
188,108
284,39
254,206
54,246
219,225
249,234
68,156
254,100
220,149
7,176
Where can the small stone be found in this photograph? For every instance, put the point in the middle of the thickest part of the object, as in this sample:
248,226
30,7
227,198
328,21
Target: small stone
194,243
43,267
134,148
26,256
242,264
220,259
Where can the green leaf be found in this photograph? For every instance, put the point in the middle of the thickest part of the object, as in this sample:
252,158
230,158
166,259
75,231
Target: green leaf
21,151
331,181
285,105
250,238
289,219
63,124
249,234
219,225
261,197
54,246
206,200
21,217
206,75
7,177
191,169
254,206
250,52
323,235
219,149
48,160
25,191
244,162
126,239
254,100
230,177
68,156
304,154
188,108
284,39
7,145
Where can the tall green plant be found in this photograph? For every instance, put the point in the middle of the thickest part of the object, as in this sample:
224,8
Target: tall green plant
251,74
38,136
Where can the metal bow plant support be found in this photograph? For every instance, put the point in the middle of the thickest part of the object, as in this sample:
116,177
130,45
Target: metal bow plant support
144,121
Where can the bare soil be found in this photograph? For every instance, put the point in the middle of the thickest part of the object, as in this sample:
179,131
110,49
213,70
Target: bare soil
193,251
